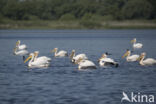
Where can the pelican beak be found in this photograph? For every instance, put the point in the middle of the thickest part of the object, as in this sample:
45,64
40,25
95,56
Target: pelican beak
126,54
28,59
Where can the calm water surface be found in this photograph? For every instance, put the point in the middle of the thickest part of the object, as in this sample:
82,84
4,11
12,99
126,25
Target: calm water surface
62,83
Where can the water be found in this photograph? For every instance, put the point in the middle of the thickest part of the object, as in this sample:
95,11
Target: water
62,83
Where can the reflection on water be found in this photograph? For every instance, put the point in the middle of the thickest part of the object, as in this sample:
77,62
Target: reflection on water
62,83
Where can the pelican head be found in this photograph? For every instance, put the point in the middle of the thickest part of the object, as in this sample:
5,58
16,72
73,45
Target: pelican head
104,55
36,53
141,56
133,41
30,56
54,50
18,42
72,54
128,52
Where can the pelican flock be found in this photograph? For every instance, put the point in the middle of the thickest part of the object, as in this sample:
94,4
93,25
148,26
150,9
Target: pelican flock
80,59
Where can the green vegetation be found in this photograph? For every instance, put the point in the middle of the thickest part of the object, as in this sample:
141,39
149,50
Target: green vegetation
77,14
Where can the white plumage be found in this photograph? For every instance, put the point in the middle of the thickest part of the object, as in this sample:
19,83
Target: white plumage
36,58
20,47
129,57
136,45
61,53
104,61
85,64
74,58
20,52
36,63
148,61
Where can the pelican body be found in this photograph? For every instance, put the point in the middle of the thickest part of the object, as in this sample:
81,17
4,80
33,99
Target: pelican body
36,63
136,45
61,53
129,57
41,57
148,61
85,64
104,61
20,52
74,58
20,47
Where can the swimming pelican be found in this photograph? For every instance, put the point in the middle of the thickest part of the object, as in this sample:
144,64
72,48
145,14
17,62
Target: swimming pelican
148,61
20,47
129,57
85,64
104,61
74,58
36,63
136,45
61,53
41,57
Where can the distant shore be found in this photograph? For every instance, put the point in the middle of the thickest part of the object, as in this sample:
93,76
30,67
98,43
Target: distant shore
77,24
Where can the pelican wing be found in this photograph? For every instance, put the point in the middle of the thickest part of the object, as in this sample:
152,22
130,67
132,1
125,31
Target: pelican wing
149,61
133,58
22,52
83,56
22,47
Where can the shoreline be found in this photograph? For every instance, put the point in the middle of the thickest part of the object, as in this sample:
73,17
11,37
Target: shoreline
78,25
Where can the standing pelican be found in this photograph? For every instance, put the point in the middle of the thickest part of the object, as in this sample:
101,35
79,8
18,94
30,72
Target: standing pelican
104,61
136,45
148,61
61,53
85,64
74,58
20,47
129,57
36,63
41,57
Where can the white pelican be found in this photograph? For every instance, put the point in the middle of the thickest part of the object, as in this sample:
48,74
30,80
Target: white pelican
104,61
148,61
129,58
61,53
20,52
85,64
74,58
136,45
36,64
20,47
40,58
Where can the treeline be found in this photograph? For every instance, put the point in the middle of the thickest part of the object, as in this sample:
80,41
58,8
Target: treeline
78,9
